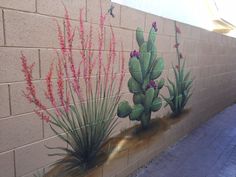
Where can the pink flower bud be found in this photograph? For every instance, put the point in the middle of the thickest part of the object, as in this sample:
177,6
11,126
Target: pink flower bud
177,29
134,54
154,25
151,84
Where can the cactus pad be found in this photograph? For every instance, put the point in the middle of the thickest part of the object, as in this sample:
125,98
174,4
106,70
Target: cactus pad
145,68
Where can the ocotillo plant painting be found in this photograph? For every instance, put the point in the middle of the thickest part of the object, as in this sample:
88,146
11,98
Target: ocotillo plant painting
180,89
86,96
145,67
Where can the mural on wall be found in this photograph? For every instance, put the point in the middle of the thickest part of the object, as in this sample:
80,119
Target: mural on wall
180,89
145,68
86,96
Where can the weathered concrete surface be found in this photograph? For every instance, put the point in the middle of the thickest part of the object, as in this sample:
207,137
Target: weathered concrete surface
209,151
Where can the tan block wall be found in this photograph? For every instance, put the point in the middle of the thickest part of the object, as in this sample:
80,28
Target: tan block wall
29,26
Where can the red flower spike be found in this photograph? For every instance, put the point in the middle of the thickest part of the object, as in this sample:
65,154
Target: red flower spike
60,83
49,92
61,39
113,75
111,60
30,93
67,101
42,115
66,69
122,69
100,47
90,54
69,32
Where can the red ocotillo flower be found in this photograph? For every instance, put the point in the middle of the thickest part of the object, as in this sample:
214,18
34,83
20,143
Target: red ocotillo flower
88,62
42,115
82,40
85,43
70,36
113,52
122,68
69,32
100,47
49,92
68,75
90,54
61,39
30,93
67,102
60,86
110,61
75,79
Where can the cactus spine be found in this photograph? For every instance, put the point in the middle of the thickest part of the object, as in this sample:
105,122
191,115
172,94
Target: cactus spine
145,68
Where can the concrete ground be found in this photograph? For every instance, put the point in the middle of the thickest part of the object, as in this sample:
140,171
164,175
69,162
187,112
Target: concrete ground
209,151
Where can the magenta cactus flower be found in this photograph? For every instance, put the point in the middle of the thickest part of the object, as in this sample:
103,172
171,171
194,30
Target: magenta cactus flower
151,84
135,54
154,25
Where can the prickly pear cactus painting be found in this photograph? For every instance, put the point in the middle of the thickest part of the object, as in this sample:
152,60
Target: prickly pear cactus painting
145,68
180,88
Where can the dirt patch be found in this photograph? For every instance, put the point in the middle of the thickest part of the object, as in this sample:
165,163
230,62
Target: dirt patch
132,138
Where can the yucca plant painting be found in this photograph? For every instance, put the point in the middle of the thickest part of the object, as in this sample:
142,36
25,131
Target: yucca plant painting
86,96
180,89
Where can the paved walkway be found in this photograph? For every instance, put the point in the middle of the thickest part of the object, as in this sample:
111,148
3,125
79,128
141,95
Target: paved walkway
209,151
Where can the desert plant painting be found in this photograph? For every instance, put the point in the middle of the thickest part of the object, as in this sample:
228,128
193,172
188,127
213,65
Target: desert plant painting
180,89
145,68
115,88
84,97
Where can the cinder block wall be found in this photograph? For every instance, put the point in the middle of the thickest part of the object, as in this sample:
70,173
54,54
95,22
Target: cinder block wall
28,26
